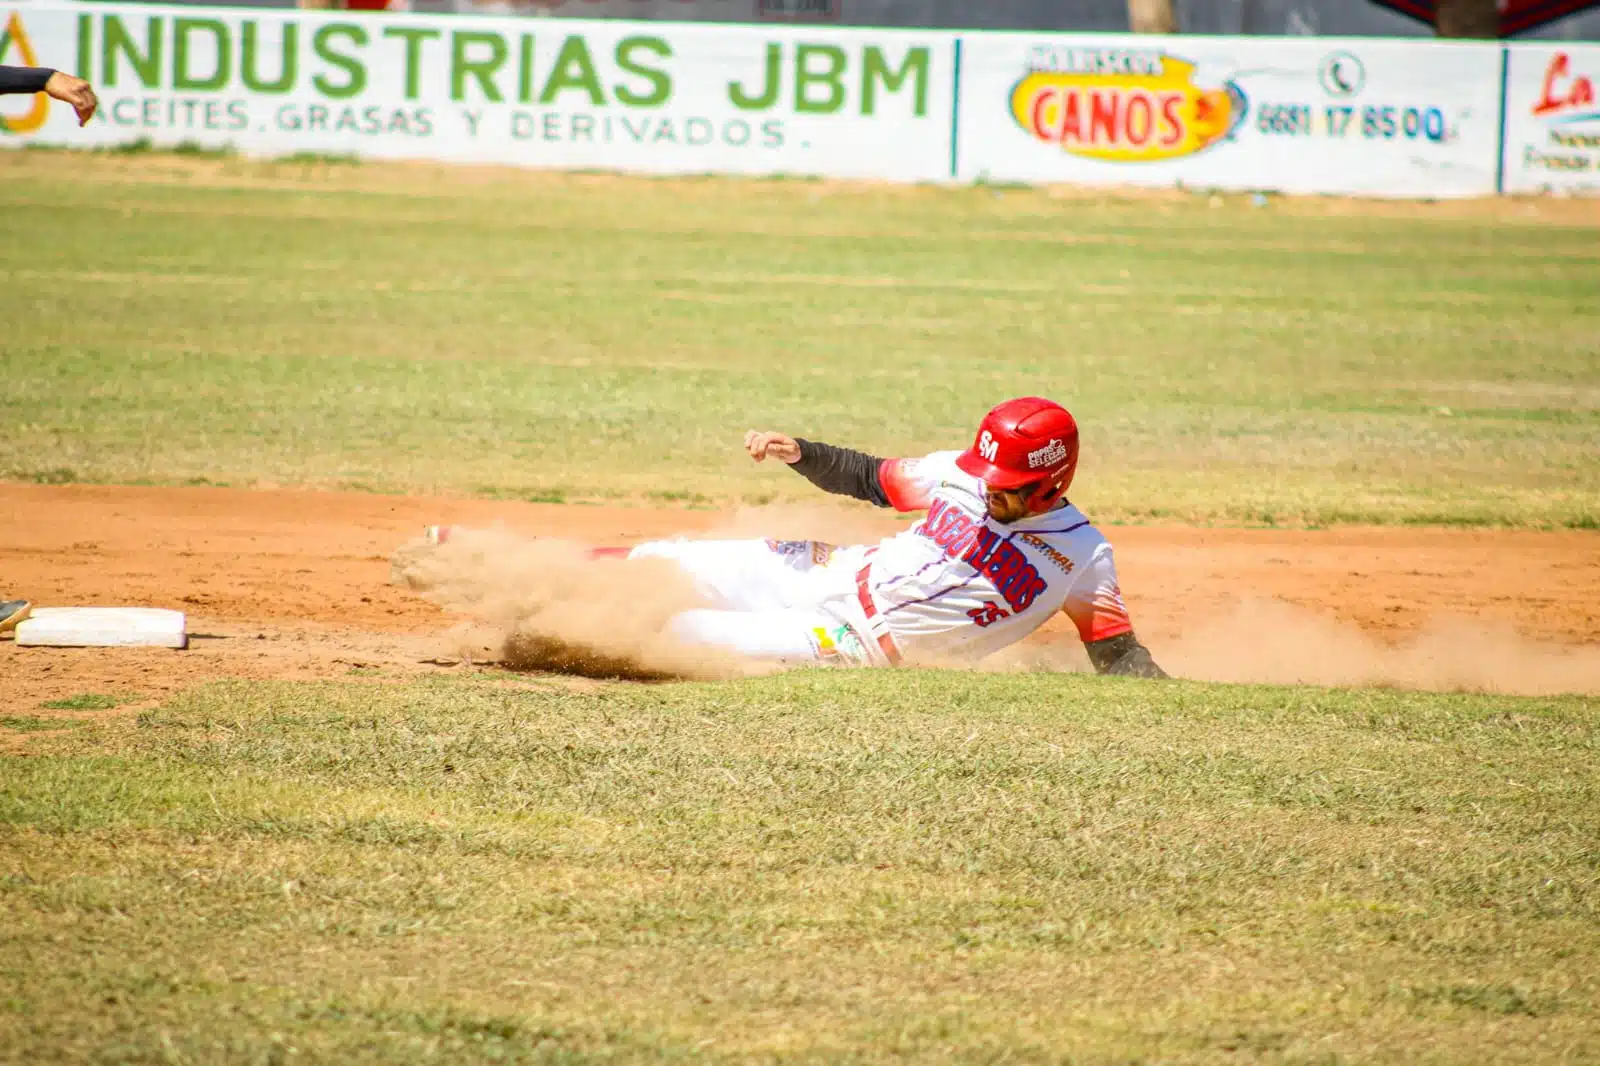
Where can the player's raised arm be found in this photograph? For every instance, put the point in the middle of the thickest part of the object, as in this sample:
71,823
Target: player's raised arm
842,471
59,84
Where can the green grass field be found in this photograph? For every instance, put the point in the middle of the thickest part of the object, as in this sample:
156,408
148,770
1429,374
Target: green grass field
889,867
588,337
916,866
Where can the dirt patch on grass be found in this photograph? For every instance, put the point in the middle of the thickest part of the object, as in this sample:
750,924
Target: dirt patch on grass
297,584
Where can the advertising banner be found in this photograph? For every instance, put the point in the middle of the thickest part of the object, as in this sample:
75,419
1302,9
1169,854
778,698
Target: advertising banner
1297,115
1553,119
1329,115
644,97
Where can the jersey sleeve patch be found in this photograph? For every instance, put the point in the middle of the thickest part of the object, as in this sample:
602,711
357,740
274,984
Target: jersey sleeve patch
904,484
1095,602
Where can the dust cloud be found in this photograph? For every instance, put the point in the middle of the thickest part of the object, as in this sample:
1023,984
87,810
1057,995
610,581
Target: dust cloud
1273,642
546,604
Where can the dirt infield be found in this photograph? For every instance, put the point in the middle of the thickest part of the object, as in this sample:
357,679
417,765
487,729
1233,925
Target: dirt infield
295,584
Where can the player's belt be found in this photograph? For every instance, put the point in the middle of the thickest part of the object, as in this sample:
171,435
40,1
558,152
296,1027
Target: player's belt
875,622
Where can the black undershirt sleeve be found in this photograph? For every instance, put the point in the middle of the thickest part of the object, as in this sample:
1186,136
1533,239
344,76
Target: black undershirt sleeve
842,471
23,79
1123,656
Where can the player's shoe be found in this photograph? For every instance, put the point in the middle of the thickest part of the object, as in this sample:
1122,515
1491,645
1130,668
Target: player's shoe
437,534
12,612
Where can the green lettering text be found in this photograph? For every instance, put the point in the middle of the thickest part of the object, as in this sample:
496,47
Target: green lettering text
660,81
525,69
413,36
830,79
875,68
321,44
483,70
288,59
118,41
574,70
741,99
222,46
85,47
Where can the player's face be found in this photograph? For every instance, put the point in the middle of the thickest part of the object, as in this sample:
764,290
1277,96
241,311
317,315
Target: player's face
1008,505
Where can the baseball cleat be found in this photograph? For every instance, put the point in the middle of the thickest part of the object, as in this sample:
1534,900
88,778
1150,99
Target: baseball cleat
12,612
437,534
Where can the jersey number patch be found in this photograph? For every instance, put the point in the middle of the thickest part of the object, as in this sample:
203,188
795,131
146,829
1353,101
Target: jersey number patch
988,614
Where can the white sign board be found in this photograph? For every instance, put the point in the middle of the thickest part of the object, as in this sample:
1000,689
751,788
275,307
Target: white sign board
1359,117
1553,119
1298,115
629,96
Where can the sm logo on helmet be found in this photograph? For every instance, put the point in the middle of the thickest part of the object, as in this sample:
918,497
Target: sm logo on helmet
988,447
34,117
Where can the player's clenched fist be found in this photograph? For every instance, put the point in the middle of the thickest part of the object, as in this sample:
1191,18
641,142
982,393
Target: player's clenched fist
74,91
764,443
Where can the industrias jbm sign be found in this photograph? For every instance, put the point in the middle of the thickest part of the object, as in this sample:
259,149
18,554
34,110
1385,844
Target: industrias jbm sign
741,99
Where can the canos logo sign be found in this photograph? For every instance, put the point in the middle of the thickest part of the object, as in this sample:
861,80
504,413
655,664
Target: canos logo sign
1123,106
34,117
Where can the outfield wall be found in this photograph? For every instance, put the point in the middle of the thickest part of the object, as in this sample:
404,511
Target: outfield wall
1304,115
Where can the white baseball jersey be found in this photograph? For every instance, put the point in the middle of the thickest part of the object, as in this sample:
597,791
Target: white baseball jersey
959,584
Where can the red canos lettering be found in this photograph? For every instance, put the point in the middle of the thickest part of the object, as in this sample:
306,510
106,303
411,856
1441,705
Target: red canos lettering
1171,119
1071,117
1103,116
1139,119
1041,100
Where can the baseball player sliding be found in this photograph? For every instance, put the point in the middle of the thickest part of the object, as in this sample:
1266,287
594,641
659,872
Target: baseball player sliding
999,552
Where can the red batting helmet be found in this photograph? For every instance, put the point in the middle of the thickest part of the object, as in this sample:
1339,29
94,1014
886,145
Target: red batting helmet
1026,442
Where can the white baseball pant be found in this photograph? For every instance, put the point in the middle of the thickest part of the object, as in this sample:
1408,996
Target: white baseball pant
788,602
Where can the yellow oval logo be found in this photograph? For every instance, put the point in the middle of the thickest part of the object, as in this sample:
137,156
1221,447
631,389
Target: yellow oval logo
34,117
1127,117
